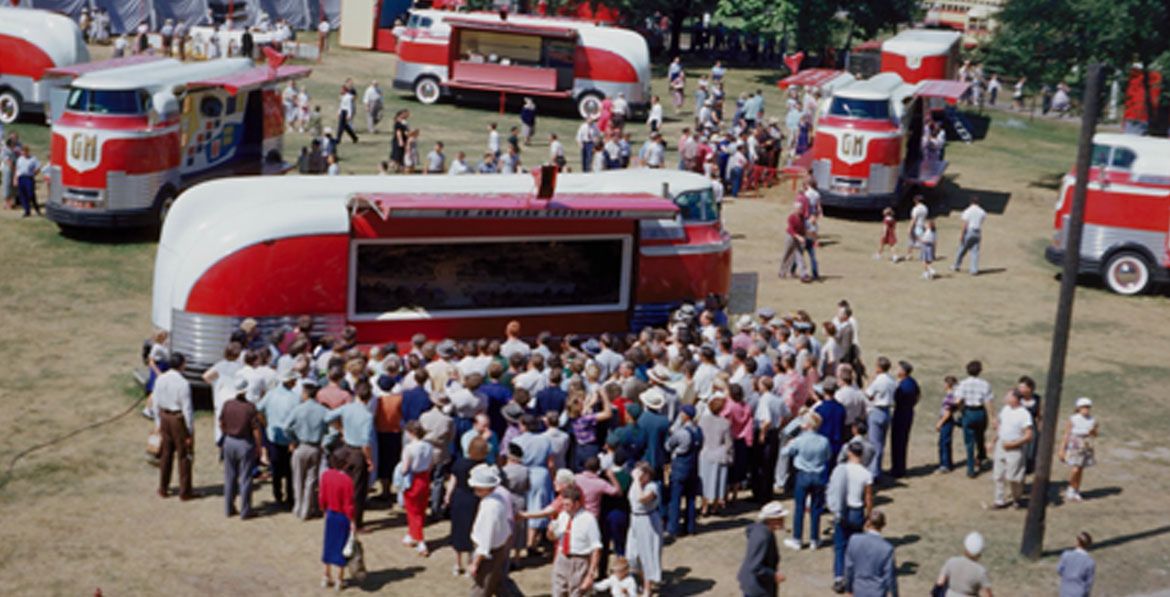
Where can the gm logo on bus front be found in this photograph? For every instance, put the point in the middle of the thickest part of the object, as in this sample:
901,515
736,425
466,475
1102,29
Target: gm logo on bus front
851,147
84,151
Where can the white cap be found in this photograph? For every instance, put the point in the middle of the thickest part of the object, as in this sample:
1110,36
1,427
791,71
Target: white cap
240,383
772,510
744,322
1083,402
973,543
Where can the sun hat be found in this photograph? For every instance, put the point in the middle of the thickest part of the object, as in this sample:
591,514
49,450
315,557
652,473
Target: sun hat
744,322
484,476
512,412
973,543
289,374
772,511
660,374
240,383
653,399
1082,402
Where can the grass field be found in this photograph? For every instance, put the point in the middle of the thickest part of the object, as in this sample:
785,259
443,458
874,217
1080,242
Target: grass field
82,514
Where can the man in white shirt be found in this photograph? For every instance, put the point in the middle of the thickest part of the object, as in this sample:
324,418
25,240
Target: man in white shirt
436,161
974,393
372,98
585,142
513,344
459,165
850,499
608,360
850,396
918,215
971,236
556,151
491,532
1012,435
706,373
493,145
174,419
27,168
652,154
578,547
881,398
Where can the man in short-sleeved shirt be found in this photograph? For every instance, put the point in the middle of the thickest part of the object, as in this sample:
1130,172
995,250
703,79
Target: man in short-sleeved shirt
965,577
972,235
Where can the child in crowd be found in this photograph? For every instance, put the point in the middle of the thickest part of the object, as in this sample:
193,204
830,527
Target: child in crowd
619,583
927,241
1076,449
889,235
411,158
946,424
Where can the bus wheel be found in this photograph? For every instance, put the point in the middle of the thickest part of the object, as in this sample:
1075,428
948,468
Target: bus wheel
589,104
165,201
9,106
1127,273
427,90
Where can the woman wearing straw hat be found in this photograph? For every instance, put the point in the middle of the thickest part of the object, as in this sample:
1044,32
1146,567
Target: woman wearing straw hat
490,532
1076,449
759,575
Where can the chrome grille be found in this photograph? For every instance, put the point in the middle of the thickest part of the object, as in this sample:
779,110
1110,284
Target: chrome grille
201,338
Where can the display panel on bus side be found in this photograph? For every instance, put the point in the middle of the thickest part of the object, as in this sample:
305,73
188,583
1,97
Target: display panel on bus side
485,277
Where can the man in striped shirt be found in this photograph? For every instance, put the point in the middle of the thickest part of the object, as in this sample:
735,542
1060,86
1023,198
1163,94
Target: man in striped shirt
974,394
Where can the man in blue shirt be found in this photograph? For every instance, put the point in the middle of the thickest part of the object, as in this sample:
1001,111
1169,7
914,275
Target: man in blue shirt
655,426
905,398
416,400
274,409
305,428
498,394
833,416
357,429
810,454
551,398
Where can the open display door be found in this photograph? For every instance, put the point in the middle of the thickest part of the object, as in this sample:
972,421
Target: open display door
511,57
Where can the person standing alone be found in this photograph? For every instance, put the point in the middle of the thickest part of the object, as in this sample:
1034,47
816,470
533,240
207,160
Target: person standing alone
971,238
759,575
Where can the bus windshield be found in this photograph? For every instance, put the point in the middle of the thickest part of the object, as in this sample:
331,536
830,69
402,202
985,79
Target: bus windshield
860,108
697,206
102,101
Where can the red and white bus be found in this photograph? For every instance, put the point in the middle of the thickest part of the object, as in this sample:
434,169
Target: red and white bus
442,255
1127,213
31,43
867,146
133,136
446,53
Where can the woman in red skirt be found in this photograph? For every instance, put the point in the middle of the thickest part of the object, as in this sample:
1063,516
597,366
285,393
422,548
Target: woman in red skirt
417,458
889,235
336,500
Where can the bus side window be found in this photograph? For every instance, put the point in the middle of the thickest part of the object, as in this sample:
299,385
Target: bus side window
697,206
1101,155
1122,158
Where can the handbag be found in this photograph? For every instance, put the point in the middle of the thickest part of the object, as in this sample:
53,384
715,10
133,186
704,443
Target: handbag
154,443
347,551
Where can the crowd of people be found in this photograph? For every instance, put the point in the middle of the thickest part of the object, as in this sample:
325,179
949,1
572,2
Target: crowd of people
596,453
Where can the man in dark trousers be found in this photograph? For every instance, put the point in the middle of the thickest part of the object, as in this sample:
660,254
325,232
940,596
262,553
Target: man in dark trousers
905,398
683,445
869,561
759,575
175,422
241,448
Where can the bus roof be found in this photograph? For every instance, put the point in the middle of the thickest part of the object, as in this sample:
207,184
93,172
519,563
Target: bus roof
1153,153
162,74
637,206
56,35
922,42
883,86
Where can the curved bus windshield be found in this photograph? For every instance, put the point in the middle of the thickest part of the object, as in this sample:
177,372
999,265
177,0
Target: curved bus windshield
860,108
100,101
697,206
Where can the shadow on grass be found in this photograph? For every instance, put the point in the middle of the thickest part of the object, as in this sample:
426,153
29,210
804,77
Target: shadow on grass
1115,541
116,236
376,580
950,197
1050,181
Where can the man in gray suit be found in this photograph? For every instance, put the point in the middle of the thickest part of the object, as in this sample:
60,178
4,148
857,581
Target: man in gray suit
869,561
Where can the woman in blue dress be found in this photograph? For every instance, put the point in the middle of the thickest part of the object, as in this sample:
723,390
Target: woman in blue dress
538,458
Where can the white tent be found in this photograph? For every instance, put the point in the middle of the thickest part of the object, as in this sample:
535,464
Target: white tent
125,15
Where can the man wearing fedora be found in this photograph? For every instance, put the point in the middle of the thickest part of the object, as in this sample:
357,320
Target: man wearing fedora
241,448
655,426
759,575
491,532
274,409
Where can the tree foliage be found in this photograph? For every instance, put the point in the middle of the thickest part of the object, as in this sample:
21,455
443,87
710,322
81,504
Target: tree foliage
813,25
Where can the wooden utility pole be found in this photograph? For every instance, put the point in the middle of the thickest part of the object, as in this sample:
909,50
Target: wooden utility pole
1033,542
